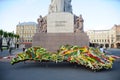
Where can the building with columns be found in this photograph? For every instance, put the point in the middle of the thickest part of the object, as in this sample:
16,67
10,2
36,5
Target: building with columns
106,38
115,36
26,31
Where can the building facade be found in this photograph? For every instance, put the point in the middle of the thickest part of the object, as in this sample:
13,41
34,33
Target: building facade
115,36
26,31
106,38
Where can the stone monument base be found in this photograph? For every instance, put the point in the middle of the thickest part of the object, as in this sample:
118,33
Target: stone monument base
52,41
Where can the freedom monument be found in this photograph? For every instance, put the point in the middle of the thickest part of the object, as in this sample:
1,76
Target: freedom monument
60,27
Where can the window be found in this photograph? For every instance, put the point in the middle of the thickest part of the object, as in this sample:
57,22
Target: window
104,40
118,37
97,40
94,40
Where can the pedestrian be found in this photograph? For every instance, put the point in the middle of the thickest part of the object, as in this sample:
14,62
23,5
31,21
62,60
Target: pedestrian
23,47
1,49
101,49
1,44
17,45
8,44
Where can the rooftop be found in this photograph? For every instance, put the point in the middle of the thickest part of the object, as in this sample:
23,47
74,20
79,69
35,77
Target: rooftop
27,23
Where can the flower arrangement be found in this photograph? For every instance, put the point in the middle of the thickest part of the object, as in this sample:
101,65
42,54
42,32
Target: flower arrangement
86,56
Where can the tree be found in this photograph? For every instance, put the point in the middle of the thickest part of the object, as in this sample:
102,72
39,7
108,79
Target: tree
18,37
5,34
1,33
10,37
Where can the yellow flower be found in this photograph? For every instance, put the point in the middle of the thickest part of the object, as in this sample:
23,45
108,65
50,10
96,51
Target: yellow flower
111,58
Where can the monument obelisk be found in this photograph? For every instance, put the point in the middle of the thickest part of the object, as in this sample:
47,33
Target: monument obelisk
60,27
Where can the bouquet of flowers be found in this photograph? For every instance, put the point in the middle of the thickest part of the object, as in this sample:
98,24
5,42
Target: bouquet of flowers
86,56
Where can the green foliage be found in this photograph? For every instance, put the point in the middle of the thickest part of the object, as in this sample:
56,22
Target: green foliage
1,32
10,34
5,34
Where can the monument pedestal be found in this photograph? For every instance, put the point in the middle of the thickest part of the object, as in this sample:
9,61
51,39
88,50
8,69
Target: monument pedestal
52,41
60,31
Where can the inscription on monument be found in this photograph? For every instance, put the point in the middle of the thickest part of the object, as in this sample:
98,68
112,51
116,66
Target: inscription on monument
60,23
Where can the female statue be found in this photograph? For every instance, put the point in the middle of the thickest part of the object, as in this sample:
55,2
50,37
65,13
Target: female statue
60,6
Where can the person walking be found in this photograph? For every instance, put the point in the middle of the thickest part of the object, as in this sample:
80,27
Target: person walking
23,46
101,49
1,44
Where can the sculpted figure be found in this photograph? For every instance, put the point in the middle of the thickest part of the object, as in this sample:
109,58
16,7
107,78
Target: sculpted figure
79,24
44,28
42,25
60,6
39,20
68,6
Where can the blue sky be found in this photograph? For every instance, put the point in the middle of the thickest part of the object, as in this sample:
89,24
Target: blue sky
97,14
